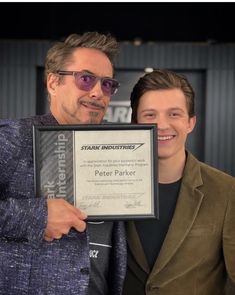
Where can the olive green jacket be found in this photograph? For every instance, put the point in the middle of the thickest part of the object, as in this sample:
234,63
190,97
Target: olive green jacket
198,252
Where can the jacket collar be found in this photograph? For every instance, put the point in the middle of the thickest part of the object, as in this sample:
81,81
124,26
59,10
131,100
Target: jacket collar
187,207
48,119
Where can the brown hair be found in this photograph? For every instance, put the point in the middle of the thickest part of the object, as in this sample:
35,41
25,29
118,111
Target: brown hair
159,80
60,54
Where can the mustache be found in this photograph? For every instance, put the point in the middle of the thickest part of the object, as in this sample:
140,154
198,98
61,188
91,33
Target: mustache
93,103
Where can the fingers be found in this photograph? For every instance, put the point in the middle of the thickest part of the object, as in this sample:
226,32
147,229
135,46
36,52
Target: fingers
62,216
48,239
79,225
80,214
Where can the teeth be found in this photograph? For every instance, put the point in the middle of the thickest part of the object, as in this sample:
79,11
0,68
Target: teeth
164,137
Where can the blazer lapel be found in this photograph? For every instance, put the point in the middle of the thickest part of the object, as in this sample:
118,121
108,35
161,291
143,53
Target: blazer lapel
187,207
135,246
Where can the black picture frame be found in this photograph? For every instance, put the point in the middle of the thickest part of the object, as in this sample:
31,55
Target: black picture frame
108,170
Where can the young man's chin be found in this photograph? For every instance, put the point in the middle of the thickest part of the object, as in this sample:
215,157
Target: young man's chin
164,155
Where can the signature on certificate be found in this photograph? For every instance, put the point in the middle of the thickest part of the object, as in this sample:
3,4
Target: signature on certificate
133,204
93,204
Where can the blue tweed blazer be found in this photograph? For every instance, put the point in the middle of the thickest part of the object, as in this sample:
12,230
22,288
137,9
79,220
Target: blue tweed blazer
28,264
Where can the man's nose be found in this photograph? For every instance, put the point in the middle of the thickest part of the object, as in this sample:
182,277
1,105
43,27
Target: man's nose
96,92
162,122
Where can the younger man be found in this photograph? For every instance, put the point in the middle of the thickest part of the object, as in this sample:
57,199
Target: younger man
191,249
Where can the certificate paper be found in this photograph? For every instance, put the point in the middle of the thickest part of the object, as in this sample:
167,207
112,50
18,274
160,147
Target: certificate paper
108,171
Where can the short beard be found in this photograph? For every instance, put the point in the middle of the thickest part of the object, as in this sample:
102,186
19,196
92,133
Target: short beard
94,118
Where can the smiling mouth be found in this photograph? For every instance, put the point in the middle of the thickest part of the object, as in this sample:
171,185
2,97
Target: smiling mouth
92,105
165,138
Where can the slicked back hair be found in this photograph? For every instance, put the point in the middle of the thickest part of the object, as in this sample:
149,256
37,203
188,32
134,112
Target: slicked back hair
60,55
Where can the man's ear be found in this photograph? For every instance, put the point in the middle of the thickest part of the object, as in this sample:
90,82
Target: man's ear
192,123
52,83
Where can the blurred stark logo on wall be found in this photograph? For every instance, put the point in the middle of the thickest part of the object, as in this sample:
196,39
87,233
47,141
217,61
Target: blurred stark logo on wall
118,111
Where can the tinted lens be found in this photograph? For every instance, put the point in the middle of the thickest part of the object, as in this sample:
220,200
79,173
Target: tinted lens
109,86
85,81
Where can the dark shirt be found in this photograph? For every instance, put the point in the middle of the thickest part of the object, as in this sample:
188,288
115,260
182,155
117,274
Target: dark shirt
100,250
152,232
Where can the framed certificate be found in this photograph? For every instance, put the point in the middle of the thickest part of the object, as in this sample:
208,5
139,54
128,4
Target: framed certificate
109,171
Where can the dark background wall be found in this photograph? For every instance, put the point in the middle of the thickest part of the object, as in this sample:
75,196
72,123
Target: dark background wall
170,21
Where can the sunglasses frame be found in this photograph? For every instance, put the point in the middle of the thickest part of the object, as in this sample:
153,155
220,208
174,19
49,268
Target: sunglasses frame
102,79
